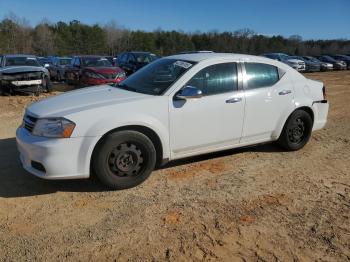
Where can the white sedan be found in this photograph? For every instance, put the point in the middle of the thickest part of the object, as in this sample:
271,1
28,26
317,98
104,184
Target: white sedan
176,107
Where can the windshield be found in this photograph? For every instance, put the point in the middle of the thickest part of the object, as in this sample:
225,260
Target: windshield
21,61
331,59
284,57
145,58
96,62
157,77
313,59
297,57
65,61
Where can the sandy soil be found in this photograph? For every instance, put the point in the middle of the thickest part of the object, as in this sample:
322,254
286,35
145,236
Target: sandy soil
253,204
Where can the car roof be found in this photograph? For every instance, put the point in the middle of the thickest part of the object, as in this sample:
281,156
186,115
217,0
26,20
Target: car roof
20,55
139,52
197,57
90,56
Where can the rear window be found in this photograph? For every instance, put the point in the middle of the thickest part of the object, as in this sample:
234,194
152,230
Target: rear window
261,75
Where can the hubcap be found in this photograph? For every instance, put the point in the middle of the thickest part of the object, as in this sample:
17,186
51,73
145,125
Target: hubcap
296,133
126,160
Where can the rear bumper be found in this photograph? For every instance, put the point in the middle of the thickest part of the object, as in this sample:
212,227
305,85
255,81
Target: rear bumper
60,158
320,109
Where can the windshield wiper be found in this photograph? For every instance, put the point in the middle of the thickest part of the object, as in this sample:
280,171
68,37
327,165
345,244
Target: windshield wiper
125,87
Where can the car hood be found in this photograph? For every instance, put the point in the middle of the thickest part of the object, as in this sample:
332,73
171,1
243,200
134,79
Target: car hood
20,69
292,60
105,70
83,99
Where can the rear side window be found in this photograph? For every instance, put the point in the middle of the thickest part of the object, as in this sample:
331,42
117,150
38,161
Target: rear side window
216,79
261,75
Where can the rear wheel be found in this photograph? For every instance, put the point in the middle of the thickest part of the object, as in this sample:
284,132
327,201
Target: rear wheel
124,159
296,131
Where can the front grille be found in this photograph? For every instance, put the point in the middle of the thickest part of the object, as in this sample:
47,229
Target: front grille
29,122
23,76
110,76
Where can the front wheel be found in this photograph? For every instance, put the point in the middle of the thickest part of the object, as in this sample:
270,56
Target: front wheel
296,131
46,84
124,159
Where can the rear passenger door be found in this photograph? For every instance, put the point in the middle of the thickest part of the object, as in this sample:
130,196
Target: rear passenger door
269,95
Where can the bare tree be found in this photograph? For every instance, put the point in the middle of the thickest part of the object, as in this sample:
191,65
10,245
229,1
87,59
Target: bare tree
43,43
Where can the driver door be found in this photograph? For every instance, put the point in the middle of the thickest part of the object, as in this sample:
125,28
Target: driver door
213,121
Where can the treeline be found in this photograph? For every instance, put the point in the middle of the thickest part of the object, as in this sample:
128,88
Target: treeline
17,36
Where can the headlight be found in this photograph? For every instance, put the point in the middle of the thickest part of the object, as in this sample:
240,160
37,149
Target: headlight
53,127
121,75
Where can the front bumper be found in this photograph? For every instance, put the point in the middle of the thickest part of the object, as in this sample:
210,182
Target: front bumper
62,158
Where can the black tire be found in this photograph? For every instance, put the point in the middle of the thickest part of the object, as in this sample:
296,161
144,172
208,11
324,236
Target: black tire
58,76
124,159
46,84
296,131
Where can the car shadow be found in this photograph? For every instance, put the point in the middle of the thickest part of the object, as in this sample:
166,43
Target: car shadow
261,148
16,182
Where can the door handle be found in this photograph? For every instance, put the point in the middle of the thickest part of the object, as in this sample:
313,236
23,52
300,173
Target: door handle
285,92
234,100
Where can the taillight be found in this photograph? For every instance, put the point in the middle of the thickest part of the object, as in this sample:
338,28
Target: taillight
324,92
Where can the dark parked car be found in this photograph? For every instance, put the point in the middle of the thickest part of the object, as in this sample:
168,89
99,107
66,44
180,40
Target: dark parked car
337,64
310,66
58,67
344,58
323,65
92,70
48,64
24,74
130,62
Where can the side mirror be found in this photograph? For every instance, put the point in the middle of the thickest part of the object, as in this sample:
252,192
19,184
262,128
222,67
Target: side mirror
46,65
189,92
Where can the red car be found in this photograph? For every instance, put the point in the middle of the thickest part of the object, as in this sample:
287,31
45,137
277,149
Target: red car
93,70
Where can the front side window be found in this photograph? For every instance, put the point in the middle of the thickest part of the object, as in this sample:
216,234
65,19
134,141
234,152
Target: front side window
131,58
261,75
216,79
122,58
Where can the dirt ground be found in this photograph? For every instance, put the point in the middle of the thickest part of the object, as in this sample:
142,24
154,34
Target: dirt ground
252,204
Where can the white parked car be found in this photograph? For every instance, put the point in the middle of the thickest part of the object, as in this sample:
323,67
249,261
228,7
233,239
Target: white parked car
297,64
176,107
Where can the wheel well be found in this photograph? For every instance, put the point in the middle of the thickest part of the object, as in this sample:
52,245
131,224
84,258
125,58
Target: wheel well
144,130
307,110
303,108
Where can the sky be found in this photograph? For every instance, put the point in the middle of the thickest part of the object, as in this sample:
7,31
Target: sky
311,19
